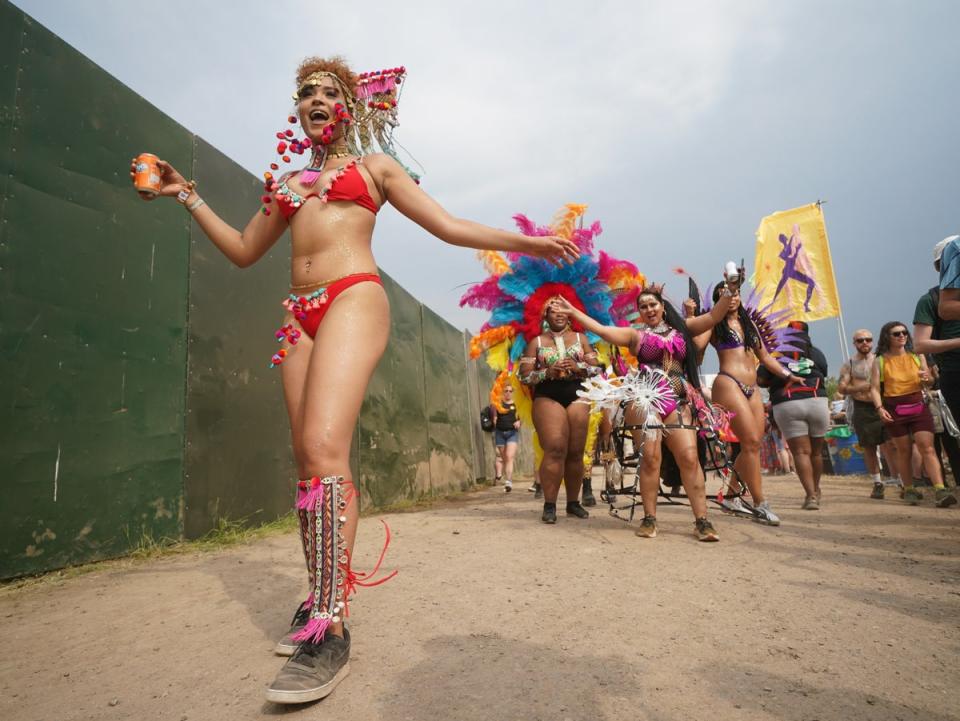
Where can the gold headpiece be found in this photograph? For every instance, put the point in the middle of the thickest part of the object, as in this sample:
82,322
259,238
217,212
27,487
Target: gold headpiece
315,78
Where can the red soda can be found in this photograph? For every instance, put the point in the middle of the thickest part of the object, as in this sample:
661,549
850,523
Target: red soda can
146,178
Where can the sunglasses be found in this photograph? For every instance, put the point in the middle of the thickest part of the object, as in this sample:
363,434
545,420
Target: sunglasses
863,340
898,333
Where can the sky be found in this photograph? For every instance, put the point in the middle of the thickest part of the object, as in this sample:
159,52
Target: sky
681,124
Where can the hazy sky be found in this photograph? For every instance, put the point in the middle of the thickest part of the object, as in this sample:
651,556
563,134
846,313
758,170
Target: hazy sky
681,124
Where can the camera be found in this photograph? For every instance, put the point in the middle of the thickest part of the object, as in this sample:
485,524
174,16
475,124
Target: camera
731,273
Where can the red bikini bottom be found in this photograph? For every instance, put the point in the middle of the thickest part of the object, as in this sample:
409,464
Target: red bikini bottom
310,310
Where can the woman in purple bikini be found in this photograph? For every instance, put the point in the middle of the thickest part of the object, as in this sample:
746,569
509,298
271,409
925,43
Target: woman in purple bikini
740,347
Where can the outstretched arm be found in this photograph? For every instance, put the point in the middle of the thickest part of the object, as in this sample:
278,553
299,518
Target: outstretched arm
407,197
244,248
615,334
706,321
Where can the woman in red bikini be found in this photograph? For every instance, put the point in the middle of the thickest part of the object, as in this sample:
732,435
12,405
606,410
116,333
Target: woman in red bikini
338,318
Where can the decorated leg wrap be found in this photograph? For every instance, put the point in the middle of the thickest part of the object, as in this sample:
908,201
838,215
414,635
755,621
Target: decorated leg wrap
322,505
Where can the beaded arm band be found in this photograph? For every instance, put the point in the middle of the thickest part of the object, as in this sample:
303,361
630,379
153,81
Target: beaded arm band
534,376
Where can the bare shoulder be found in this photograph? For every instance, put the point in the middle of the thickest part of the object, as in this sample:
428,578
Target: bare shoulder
380,164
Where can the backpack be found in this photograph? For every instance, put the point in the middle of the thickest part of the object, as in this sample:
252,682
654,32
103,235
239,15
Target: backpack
486,419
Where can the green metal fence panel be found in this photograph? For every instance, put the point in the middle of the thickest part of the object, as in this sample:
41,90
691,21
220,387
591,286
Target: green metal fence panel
393,455
12,26
92,319
136,402
238,459
447,404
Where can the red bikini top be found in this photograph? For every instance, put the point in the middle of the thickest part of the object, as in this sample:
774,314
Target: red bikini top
348,184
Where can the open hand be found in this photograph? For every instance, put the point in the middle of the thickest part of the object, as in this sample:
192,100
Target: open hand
793,380
171,182
562,305
553,248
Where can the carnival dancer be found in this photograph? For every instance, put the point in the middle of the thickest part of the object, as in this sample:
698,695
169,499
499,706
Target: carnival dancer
664,347
898,381
338,319
554,365
530,342
741,344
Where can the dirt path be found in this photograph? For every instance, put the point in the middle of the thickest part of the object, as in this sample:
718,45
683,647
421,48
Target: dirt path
850,613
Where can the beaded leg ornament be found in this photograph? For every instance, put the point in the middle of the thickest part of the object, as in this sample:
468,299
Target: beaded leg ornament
322,505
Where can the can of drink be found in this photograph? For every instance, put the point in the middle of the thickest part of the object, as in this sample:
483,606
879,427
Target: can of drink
146,177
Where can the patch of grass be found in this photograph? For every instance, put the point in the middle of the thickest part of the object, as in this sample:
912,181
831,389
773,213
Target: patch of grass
146,547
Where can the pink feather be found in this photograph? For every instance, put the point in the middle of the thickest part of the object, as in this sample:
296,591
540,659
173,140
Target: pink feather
486,295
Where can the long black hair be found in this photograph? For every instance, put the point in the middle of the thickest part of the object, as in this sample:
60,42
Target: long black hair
883,343
722,331
673,319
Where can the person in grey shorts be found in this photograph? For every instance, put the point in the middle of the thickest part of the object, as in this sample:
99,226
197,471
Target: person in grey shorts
801,411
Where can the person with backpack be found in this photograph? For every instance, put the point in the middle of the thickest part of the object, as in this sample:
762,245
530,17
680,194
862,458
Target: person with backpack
506,437
801,410
898,382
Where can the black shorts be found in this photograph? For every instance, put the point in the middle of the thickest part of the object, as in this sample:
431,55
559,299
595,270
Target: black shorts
867,424
563,392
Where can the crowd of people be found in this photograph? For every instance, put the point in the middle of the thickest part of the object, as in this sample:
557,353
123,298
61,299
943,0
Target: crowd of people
901,398
336,326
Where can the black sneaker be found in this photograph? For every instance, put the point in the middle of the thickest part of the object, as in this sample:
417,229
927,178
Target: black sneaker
587,496
877,491
286,645
549,513
575,509
313,671
538,491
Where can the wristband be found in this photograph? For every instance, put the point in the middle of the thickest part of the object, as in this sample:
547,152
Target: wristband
195,204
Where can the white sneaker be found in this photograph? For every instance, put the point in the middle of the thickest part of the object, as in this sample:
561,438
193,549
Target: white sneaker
507,486
763,514
735,506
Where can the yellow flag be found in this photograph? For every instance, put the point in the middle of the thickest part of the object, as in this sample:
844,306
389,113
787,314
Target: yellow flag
793,269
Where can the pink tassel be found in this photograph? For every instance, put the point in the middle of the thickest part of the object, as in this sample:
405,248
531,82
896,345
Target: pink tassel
380,85
309,176
311,496
314,631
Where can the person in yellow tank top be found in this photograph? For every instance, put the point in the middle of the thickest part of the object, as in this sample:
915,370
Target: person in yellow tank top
897,382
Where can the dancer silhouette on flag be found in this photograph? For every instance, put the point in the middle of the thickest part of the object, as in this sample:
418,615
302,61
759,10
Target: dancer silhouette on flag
796,266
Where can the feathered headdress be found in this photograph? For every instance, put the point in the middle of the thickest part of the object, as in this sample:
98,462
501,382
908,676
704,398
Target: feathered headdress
772,328
519,287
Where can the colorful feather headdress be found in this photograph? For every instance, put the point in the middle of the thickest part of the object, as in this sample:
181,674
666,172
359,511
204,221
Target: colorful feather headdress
519,287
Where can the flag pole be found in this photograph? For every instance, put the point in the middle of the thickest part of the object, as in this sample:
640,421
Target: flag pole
844,350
